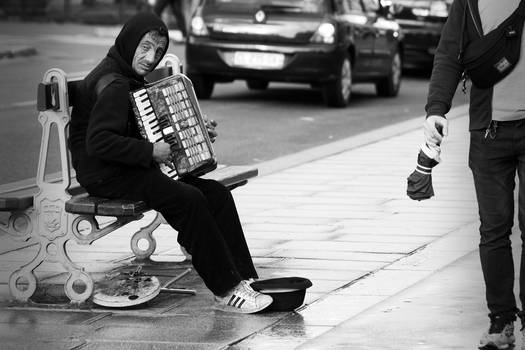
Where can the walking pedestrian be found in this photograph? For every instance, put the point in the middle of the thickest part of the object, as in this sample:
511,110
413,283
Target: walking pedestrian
177,8
497,153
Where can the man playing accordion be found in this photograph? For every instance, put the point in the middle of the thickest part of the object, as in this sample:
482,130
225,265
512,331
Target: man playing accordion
112,160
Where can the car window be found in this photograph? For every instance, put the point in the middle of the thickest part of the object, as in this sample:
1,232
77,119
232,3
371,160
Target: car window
371,5
343,6
355,6
289,6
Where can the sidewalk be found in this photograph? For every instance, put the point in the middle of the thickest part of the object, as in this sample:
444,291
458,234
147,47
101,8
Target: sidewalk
387,272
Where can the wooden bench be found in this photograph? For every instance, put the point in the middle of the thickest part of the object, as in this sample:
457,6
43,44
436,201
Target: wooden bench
51,210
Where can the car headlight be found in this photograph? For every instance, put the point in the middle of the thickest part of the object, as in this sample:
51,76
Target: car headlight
439,9
198,27
436,9
324,34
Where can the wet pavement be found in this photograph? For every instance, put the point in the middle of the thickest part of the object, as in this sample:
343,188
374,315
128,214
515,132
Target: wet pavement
387,272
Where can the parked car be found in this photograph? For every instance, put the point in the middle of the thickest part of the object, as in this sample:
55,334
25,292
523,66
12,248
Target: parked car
422,22
327,43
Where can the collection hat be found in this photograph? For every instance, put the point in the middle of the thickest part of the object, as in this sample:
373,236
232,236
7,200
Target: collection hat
287,292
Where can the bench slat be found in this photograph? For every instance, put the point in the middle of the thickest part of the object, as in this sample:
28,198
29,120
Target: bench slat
233,175
15,204
118,207
19,195
84,204
17,198
91,205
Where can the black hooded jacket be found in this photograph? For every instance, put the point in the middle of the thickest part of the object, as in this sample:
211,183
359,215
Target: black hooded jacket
103,134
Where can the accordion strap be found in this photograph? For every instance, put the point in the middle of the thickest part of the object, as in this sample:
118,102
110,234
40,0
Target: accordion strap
105,80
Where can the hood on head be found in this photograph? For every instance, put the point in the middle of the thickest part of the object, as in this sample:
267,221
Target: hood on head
132,32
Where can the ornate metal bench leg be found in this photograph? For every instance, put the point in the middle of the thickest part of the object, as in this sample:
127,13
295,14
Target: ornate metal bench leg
142,243
19,226
78,287
92,229
22,282
79,284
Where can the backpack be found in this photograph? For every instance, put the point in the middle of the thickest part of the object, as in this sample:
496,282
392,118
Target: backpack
490,58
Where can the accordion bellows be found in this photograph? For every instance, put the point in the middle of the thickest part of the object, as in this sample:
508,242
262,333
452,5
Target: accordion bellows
167,110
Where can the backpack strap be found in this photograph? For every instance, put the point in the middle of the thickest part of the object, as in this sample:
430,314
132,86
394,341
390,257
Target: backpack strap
105,80
474,14
462,32
471,7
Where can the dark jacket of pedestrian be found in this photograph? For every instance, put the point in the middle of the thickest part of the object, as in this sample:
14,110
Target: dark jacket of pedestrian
447,70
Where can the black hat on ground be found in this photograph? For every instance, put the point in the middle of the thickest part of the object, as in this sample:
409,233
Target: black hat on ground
287,292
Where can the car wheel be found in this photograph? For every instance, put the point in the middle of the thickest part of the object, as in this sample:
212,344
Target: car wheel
202,85
337,93
389,86
257,84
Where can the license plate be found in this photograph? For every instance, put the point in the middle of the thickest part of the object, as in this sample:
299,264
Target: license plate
258,60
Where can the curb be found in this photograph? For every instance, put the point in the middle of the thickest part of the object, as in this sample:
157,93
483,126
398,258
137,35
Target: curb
19,52
363,139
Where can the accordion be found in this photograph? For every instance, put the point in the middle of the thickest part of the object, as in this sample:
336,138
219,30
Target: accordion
167,110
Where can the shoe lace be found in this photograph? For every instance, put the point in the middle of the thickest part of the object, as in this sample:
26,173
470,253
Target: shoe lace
246,291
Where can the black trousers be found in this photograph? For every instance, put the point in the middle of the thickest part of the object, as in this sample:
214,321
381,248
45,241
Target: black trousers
494,161
204,214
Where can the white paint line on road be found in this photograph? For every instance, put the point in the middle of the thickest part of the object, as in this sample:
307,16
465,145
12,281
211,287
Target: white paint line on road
24,103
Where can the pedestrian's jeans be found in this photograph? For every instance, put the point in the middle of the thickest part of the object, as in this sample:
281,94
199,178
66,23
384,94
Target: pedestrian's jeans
494,158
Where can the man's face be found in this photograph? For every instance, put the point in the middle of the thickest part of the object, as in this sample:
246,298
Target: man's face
148,53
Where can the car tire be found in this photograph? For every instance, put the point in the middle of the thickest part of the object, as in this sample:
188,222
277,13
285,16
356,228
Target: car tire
337,93
389,86
202,85
254,84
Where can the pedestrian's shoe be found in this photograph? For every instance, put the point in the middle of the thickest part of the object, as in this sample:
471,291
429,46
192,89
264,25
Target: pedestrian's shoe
500,335
244,299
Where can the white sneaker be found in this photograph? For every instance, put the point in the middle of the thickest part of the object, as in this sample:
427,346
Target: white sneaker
244,299
498,336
